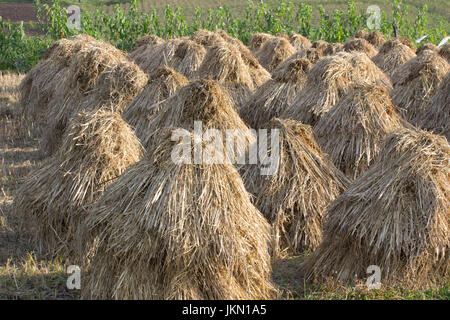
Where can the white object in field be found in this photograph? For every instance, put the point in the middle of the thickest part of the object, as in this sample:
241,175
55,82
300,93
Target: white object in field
444,41
421,39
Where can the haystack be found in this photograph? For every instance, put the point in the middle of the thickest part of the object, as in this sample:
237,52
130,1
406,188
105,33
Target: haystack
202,100
353,130
207,38
98,76
163,83
51,203
328,80
274,52
188,57
437,117
294,199
333,48
38,86
392,55
258,40
394,216
273,97
224,63
375,38
445,52
360,34
169,230
416,82
320,45
360,45
299,42
427,46
144,47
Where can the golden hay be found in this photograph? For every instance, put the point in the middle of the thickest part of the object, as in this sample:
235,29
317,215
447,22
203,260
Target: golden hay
51,203
145,43
395,216
328,80
407,42
274,52
392,55
427,46
333,48
360,45
375,38
299,42
163,83
224,63
275,95
160,55
360,34
416,82
295,198
437,117
188,57
97,76
207,38
178,231
320,45
201,100
352,132
258,40
38,86
445,52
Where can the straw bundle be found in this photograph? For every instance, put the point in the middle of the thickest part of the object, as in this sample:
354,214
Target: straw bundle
437,117
207,38
416,82
144,47
427,46
224,63
178,231
37,87
202,100
395,216
188,57
163,82
352,132
328,80
258,40
375,38
51,203
392,55
445,52
320,45
360,34
360,45
274,52
99,75
333,48
273,97
294,199
299,42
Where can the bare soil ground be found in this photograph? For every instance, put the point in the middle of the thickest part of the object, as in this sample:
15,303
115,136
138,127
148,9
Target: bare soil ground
16,12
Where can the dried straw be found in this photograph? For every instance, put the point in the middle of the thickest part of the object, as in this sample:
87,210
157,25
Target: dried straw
294,199
178,231
274,52
392,55
51,203
352,132
299,42
273,97
360,45
395,216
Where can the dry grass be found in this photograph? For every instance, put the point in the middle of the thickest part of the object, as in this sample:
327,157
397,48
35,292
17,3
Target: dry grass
427,46
437,117
178,231
392,55
375,38
416,82
274,52
360,45
352,132
162,83
224,64
202,100
258,40
395,216
299,42
9,91
98,76
52,200
328,80
294,199
273,97
445,52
